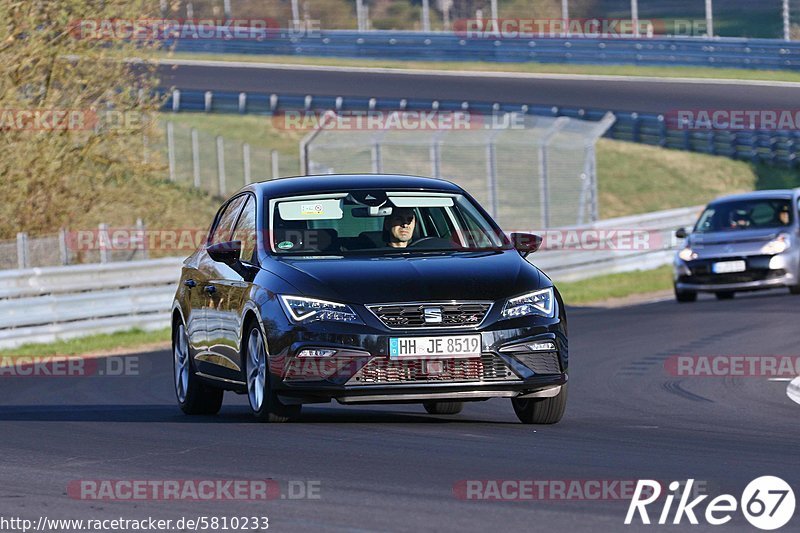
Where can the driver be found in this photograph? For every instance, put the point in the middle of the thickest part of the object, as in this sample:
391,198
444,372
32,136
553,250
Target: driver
398,228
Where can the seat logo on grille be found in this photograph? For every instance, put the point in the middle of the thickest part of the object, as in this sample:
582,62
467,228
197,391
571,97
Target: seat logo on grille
432,315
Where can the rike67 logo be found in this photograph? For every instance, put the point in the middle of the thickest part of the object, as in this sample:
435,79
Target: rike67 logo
767,503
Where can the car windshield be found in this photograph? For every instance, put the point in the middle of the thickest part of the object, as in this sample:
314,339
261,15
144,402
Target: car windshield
379,222
745,214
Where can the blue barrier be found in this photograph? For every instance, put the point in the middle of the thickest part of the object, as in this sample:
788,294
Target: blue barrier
759,146
723,52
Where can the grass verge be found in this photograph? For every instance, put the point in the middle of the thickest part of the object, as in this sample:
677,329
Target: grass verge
94,344
526,68
610,286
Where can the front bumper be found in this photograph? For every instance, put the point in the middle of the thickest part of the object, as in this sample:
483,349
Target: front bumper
762,272
362,371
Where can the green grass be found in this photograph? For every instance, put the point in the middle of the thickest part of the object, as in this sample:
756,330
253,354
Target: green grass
108,342
621,285
530,67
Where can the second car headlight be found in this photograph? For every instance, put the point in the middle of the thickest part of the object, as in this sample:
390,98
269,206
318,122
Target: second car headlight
778,245
301,309
539,302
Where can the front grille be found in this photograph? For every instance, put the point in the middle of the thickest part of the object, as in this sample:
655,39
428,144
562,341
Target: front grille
735,277
540,363
454,314
484,368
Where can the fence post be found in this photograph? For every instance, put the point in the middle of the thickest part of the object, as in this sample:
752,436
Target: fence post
246,163
709,19
565,17
103,240
171,149
226,6
63,246
195,158
491,176
436,158
377,164
176,100
22,250
221,165
275,163
787,27
142,233
426,15
635,17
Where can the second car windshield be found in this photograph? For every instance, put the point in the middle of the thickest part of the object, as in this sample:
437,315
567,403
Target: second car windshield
745,214
363,222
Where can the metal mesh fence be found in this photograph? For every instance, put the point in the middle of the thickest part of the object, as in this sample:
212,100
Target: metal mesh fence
533,172
218,165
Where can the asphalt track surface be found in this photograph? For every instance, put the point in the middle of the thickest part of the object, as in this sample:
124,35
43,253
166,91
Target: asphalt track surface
625,94
393,468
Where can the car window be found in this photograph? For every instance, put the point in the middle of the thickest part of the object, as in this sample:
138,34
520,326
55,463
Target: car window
760,213
226,219
246,230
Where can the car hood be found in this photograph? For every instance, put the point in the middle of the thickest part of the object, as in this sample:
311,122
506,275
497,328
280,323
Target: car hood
736,236
409,278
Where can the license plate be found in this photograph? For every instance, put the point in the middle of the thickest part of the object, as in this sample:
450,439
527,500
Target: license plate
450,346
726,267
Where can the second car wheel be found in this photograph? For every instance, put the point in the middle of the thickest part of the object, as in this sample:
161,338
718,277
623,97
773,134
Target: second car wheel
194,396
443,408
263,400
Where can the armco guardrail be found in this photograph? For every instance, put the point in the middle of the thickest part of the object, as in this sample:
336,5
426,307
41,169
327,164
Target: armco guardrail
46,304
724,52
768,146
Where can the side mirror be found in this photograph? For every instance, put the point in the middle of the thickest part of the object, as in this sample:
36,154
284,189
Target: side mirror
681,233
526,243
226,252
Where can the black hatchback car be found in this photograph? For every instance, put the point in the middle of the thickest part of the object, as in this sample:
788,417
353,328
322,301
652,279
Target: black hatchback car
366,289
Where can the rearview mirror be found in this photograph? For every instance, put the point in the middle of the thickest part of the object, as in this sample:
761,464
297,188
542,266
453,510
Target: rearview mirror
681,233
226,252
526,243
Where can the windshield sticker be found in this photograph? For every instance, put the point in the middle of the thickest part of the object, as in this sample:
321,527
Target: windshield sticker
285,245
312,209
323,209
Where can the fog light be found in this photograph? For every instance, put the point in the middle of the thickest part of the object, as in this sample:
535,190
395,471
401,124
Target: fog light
777,262
316,352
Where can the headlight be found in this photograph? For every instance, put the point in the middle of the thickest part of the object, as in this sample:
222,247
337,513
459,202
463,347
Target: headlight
687,254
534,303
777,245
300,309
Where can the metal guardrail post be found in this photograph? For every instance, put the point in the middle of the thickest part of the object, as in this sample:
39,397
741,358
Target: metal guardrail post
22,250
221,166
176,100
141,232
171,149
208,101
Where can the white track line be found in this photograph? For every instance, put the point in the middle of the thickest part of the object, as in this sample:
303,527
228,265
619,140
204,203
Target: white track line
473,73
793,390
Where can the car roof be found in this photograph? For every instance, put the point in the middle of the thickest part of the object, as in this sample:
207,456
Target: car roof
755,195
345,182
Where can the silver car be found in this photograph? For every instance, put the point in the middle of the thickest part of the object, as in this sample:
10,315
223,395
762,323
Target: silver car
742,242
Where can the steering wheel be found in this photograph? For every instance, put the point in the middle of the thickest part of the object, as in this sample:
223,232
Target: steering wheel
423,239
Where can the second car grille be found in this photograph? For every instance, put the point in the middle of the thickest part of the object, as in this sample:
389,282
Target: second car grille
454,314
484,368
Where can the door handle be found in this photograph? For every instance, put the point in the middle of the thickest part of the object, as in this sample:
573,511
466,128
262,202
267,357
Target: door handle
210,289
190,283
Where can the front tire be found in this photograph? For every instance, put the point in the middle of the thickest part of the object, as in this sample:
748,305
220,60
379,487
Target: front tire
443,408
194,397
263,400
685,296
794,289
541,410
